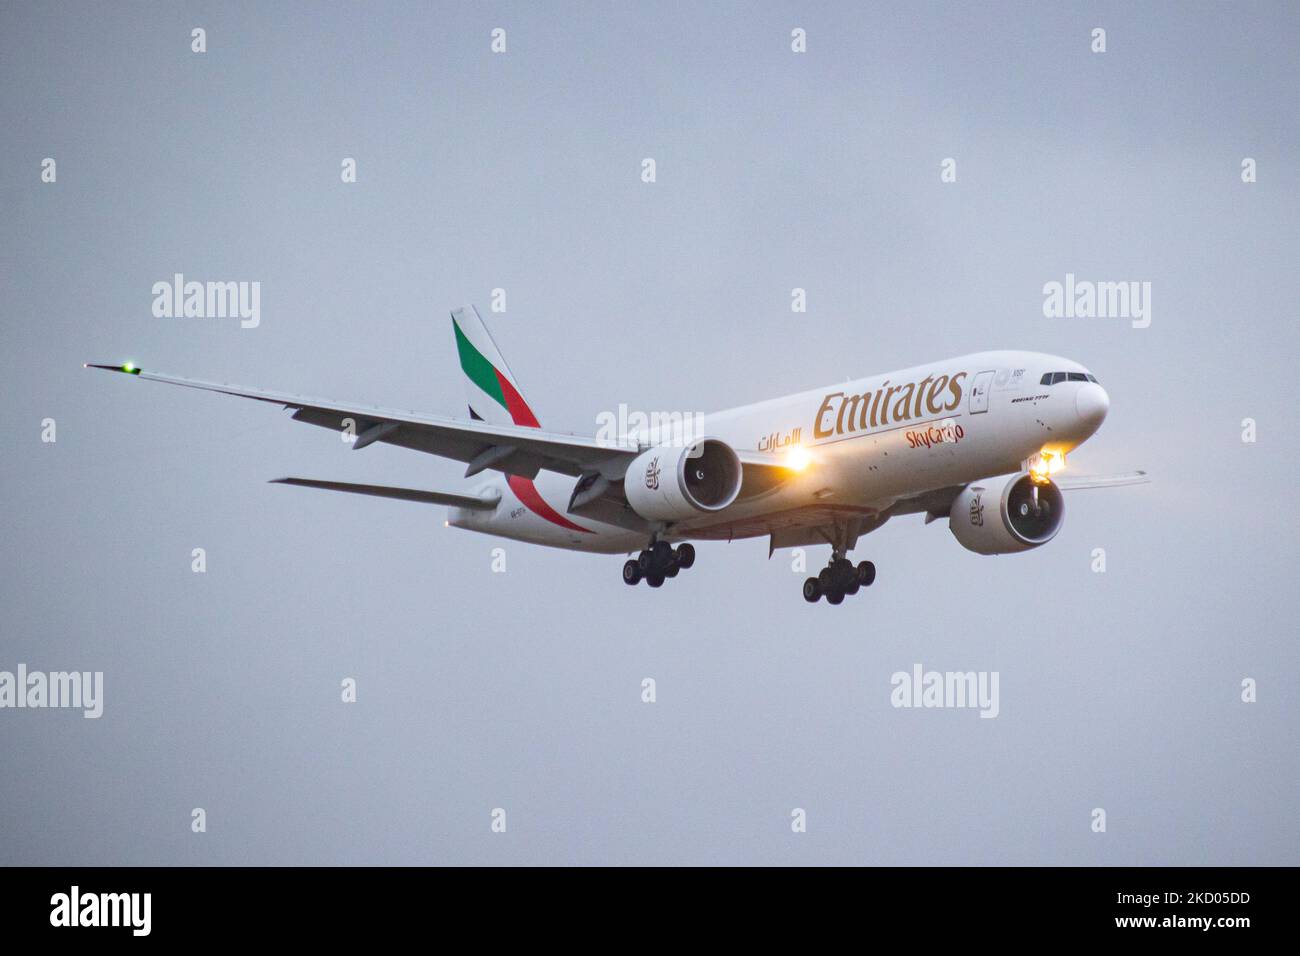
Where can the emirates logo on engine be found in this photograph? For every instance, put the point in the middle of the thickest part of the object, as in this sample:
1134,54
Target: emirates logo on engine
652,474
977,511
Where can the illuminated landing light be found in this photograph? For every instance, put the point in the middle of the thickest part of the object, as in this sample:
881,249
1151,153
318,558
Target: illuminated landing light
798,458
1045,464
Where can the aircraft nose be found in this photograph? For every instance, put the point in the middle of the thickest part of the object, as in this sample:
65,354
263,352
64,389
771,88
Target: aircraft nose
1092,403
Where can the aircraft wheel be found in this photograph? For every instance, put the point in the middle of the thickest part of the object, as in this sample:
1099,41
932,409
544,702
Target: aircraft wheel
853,585
866,573
812,591
645,562
654,579
685,556
826,579
631,571
835,597
671,570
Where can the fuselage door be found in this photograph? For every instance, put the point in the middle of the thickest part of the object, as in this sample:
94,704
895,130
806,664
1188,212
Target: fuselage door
979,392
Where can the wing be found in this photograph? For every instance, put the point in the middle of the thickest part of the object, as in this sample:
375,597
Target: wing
1077,482
470,502
512,449
936,504
481,445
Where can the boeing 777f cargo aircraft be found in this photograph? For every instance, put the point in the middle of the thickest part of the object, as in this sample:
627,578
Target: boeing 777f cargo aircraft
980,440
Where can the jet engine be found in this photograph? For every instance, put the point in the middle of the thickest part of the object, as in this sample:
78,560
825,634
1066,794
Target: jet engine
1005,515
675,482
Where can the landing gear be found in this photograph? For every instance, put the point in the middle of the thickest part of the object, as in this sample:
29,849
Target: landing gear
838,580
658,562
866,573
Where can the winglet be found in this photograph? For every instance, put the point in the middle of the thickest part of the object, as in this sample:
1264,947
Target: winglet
130,368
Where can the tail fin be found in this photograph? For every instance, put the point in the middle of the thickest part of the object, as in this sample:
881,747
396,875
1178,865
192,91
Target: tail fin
490,386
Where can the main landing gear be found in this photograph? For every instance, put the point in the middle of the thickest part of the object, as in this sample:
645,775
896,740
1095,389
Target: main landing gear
661,560
838,580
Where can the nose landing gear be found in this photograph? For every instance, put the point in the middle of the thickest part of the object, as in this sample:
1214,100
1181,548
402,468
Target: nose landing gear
838,580
658,562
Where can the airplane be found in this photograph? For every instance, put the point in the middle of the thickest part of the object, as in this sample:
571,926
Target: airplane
980,440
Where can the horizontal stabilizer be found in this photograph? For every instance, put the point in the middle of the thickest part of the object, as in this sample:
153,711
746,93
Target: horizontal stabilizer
405,494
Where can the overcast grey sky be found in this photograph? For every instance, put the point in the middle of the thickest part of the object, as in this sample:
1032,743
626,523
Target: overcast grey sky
521,170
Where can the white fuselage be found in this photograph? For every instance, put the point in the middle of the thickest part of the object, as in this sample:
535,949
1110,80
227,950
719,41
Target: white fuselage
869,443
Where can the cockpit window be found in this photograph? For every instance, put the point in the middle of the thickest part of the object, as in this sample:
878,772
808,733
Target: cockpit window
1052,378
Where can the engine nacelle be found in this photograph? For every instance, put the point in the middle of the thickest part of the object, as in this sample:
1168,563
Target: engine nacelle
1006,515
675,482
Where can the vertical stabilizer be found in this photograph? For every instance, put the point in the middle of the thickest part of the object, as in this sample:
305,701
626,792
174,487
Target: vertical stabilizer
490,387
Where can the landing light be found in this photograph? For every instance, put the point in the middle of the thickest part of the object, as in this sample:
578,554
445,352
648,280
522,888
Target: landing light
797,458
1045,464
